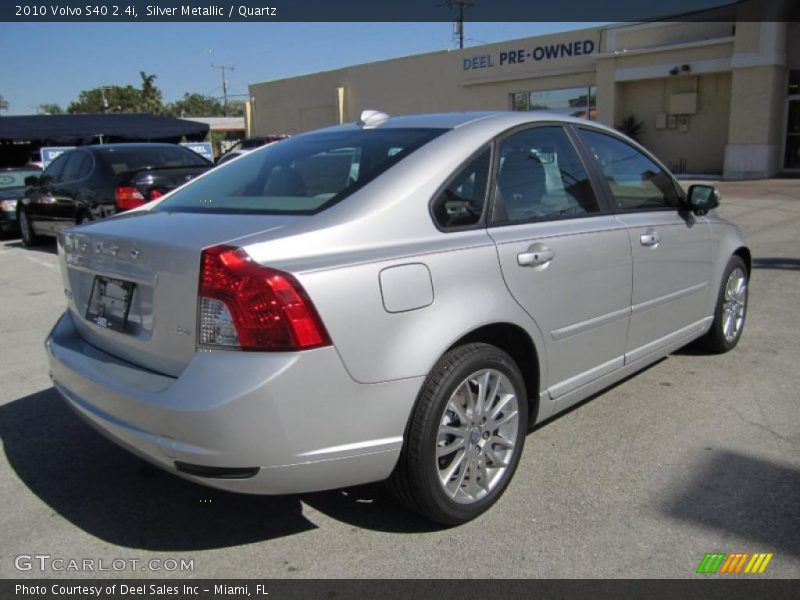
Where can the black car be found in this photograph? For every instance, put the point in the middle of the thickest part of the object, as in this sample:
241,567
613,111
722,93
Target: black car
12,188
92,182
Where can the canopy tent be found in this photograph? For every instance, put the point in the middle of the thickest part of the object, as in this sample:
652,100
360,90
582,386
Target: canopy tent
83,129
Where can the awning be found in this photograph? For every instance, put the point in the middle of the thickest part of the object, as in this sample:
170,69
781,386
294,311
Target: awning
82,129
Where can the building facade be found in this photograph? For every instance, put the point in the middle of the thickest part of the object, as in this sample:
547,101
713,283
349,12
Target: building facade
715,96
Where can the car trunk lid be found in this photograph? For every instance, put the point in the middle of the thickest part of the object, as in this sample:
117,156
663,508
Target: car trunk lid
147,264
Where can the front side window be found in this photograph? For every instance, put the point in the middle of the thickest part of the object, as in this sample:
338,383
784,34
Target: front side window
52,174
461,202
636,182
300,175
541,177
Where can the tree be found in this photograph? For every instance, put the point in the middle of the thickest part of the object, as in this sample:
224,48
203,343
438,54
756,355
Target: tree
115,98
152,101
3,103
50,109
194,105
107,99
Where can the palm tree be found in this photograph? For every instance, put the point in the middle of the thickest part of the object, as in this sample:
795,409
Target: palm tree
151,95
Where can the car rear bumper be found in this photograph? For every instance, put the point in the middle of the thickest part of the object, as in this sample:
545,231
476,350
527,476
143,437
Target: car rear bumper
264,423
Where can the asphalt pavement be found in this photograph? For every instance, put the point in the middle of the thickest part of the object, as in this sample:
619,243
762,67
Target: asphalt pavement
696,454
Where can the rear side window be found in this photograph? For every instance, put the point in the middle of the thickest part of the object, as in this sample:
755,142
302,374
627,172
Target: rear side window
636,182
300,175
461,202
122,160
540,177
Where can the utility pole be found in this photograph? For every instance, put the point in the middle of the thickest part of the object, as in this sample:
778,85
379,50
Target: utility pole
459,24
224,68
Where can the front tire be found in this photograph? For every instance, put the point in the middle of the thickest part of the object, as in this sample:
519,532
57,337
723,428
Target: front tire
730,310
29,238
465,436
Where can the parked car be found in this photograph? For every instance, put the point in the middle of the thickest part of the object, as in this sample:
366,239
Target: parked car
92,182
398,299
12,188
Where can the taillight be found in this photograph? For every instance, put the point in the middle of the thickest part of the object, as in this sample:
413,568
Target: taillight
252,307
155,194
127,197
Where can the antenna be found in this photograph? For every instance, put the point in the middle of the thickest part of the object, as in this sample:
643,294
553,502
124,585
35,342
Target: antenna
458,26
224,68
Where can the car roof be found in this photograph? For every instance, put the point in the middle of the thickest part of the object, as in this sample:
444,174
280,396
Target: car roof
453,120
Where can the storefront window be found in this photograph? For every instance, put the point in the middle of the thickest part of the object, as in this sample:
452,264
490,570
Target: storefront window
794,83
572,102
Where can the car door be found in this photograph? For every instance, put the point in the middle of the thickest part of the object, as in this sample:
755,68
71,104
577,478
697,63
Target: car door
670,246
39,200
66,193
565,258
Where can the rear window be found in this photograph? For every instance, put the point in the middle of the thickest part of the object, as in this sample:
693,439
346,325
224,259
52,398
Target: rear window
300,175
122,160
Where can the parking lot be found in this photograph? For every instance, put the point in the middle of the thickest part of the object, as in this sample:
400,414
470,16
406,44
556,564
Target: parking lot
696,454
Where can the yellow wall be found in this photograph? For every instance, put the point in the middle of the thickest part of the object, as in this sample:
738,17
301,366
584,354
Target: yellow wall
702,147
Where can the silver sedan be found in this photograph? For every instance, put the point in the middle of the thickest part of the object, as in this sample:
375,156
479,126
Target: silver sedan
397,299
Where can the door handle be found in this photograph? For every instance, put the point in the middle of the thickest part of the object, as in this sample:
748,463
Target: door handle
536,256
650,238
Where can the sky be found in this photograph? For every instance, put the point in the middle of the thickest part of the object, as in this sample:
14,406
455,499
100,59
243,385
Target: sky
54,62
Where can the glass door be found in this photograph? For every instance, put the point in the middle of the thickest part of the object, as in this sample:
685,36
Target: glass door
791,154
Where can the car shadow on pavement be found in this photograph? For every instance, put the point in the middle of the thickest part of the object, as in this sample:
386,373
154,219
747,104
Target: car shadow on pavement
47,247
749,497
113,495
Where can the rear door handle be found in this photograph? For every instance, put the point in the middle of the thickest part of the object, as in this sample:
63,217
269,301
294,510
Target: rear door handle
536,256
650,238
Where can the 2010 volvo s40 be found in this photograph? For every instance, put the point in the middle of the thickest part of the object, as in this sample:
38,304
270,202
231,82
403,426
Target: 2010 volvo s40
398,299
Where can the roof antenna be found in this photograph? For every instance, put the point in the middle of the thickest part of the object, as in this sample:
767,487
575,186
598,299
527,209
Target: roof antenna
371,118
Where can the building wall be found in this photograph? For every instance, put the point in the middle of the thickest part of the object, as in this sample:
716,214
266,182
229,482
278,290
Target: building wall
737,64
699,149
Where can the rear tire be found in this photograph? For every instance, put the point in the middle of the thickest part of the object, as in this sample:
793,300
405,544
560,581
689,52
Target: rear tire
730,311
29,238
465,436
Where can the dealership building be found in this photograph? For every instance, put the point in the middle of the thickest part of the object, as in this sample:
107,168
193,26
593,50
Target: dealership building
718,94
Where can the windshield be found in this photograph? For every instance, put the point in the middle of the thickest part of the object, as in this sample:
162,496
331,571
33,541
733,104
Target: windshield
300,175
10,179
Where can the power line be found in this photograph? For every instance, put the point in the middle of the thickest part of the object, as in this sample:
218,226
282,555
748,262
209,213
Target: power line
224,68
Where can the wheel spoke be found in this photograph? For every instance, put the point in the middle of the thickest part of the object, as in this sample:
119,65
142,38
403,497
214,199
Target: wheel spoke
456,407
497,462
497,440
508,418
501,404
454,431
483,390
449,448
458,461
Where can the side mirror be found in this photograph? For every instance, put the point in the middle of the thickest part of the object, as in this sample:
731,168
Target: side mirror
702,198
31,180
